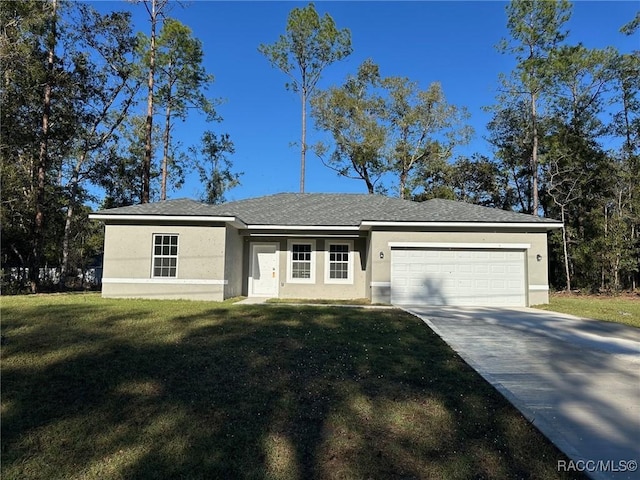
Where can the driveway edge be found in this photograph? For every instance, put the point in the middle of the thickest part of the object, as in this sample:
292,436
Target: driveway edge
545,427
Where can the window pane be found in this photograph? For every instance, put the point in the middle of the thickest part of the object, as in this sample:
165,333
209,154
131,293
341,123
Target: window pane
301,270
165,255
301,260
339,262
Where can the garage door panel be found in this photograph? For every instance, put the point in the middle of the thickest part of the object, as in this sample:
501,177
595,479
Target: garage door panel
458,277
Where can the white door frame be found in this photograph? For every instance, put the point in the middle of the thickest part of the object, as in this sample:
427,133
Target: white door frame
254,246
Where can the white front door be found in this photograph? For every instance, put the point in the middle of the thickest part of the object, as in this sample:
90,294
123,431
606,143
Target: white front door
263,277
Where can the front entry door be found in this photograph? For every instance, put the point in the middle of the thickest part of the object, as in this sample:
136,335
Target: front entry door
263,279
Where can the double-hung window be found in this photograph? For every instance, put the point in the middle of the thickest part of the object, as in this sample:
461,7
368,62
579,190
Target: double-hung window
301,268
339,263
165,256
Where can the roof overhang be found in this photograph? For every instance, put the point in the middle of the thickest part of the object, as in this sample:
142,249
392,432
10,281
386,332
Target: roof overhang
324,228
365,225
234,221
370,224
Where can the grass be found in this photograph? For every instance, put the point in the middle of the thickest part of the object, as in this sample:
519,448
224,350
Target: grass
623,309
141,389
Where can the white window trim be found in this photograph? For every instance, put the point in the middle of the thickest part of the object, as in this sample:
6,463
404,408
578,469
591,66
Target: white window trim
290,244
153,255
344,281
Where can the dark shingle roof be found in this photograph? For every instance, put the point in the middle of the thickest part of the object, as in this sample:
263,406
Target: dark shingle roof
328,209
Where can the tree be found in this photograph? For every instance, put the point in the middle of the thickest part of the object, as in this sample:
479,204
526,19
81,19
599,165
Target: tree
215,168
389,127
120,174
482,181
422,130
509,134
155,10
310,44
106,89
351,114
579,179
626,125
631,27
37,89
536,29
43,157
182,79
564,189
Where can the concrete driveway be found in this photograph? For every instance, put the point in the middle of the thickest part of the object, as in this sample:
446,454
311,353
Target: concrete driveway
577,380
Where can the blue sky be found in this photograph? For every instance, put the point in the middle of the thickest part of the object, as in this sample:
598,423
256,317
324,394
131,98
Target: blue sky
452,42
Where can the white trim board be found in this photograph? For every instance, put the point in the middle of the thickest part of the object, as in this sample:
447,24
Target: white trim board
236,222
538,288
166,281
493,246
366,225
340,228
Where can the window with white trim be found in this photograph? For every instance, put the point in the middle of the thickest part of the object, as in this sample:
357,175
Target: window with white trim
301,264
339,262
165,256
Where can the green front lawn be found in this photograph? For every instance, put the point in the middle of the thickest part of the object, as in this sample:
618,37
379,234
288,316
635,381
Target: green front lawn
623,309
125,389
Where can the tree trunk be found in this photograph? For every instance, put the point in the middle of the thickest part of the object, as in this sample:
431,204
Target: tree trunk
303,149
69,217
43,161
403,182
367,180
165,152
534,155
146,164
565,250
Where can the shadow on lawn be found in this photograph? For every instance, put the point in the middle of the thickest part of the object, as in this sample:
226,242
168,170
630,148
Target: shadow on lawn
253,392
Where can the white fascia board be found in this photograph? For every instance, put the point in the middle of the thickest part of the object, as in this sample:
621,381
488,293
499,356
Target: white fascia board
304,235
367,225
169,218
336,228
493,246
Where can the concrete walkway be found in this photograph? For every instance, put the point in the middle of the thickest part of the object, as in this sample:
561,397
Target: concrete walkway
577,380
252,301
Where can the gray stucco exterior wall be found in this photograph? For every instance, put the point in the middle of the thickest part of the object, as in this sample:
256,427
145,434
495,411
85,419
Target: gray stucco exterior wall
128,262
233,260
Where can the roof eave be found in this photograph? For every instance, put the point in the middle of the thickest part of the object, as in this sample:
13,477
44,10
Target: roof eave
304,227
369,224
234,221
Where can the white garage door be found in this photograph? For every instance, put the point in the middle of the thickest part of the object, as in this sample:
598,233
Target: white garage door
458,277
